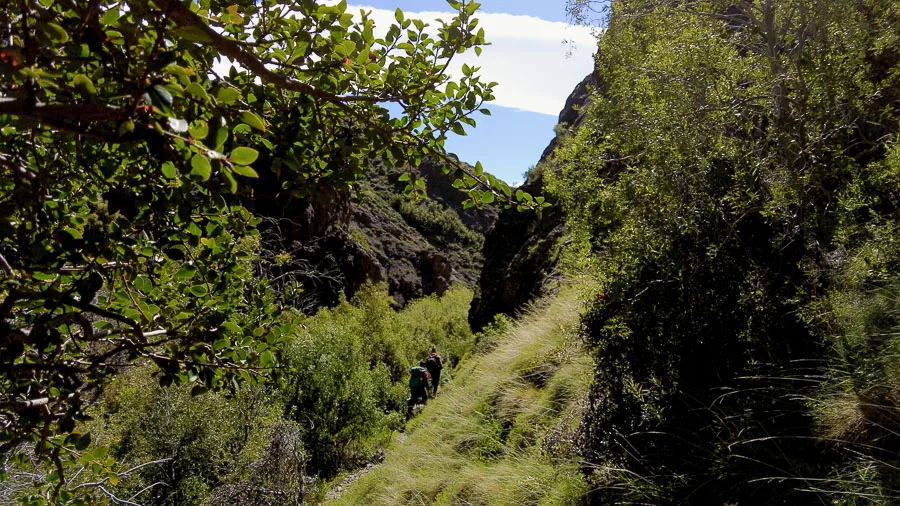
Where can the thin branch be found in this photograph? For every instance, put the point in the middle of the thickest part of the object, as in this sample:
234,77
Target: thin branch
145,464
42,111
148,487
6,267
73,268
84,306
42,401
184,17
116,499
125,473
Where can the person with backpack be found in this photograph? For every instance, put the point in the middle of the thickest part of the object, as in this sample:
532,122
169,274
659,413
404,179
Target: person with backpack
418,387
434,364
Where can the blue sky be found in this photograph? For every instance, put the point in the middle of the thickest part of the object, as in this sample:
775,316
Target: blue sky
537,59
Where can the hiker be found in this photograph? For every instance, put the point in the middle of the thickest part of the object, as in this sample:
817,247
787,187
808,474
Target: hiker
434,364
418,386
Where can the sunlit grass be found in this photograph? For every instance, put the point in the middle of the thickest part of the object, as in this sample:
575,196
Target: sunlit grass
502,431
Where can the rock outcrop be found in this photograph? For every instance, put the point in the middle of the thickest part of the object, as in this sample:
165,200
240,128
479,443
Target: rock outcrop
336,242
521,252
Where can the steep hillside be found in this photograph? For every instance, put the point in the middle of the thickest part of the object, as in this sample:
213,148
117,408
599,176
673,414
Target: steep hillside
421,247
521,251
503,430
333,242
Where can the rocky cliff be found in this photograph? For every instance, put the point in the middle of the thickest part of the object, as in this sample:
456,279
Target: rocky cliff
521,252
335,242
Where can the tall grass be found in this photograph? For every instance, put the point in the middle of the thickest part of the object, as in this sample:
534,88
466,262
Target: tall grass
857,405
504,431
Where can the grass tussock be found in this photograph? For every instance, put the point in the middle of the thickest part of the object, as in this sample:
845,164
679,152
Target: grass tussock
504,431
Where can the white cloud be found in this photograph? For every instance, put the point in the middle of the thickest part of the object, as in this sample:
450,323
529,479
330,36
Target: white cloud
536,70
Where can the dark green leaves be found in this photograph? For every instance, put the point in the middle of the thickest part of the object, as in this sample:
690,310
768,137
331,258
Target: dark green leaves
141,182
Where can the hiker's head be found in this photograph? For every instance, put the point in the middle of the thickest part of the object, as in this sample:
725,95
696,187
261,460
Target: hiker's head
422,364
433,349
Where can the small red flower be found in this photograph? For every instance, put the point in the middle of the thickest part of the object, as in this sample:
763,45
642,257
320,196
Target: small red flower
9,58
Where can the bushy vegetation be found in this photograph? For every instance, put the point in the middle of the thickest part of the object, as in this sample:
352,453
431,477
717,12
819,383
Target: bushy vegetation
440,225
339,395
734,189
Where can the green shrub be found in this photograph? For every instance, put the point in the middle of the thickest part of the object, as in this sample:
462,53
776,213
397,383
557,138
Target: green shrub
331,390
196,442
489,336
439,225
439,321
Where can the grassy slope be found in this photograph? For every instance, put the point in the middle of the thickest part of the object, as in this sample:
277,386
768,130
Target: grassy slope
503,430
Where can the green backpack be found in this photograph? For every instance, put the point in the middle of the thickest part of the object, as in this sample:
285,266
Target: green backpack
417,377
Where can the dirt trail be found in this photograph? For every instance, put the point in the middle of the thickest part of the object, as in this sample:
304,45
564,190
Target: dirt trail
336,491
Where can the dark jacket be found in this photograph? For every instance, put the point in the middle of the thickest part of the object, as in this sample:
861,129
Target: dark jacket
434,364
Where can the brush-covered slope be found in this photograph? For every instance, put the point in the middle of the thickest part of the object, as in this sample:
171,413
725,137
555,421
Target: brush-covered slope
422,247
503,430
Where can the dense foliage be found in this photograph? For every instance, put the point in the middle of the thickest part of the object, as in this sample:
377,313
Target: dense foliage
273,442
128,158
734,188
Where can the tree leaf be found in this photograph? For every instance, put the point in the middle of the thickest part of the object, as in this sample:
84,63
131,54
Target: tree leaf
226,174
252,119
53,32
84,84
227,95
83,441
201,166
199,130
185,272
245,171
266,359
161,96
192,34
178,125
243,156
197,91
